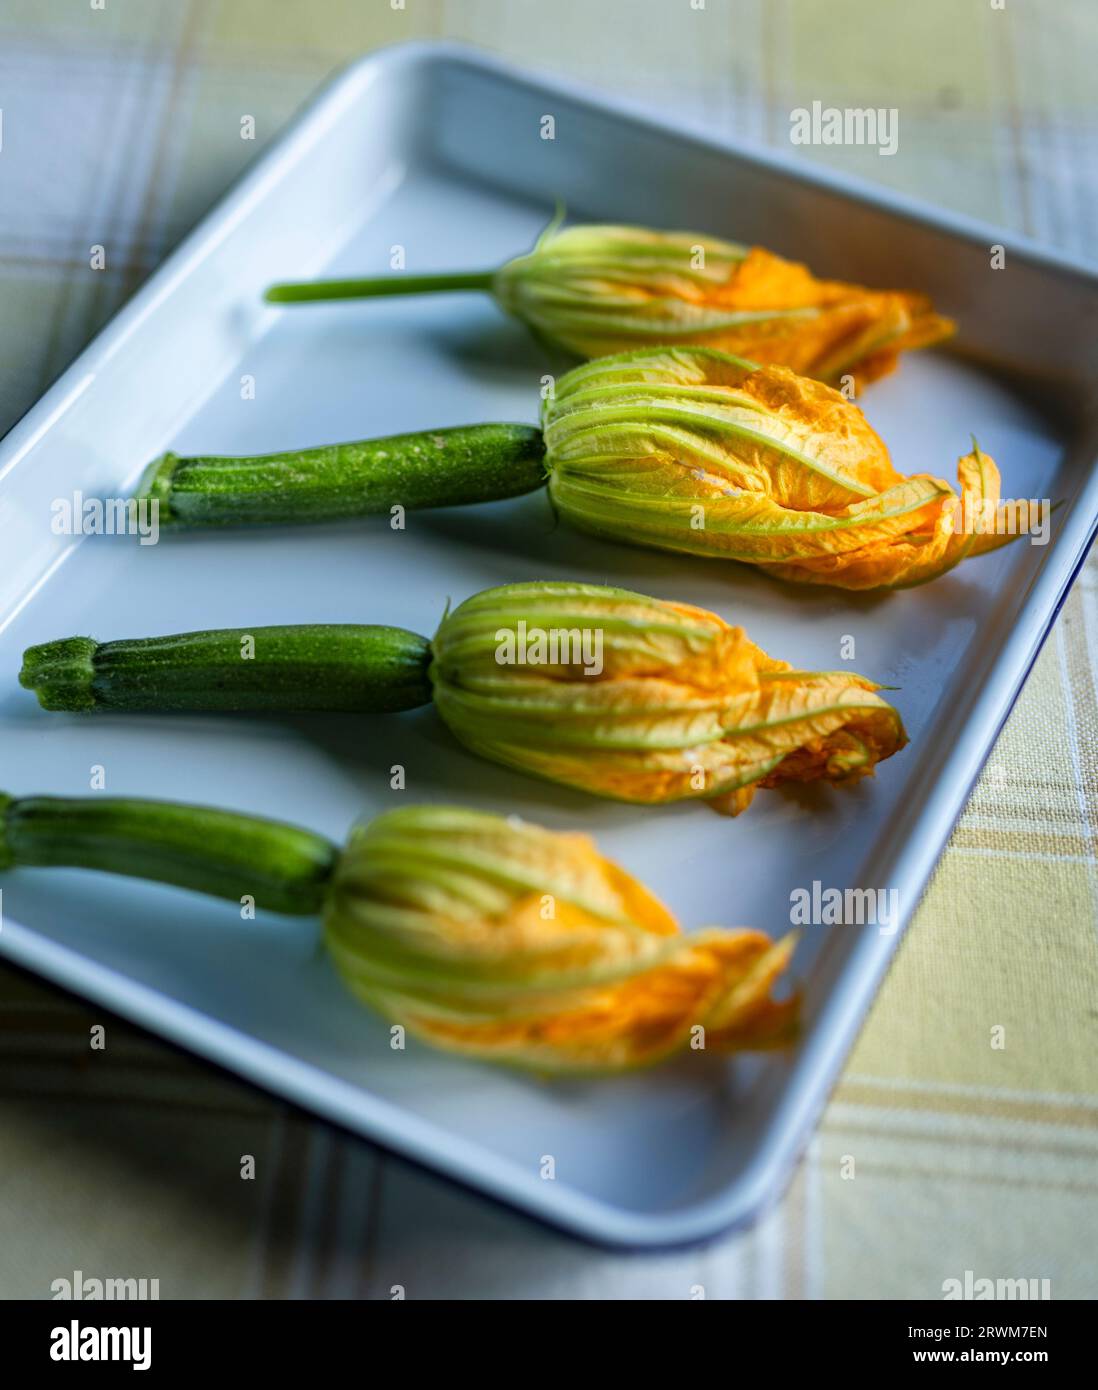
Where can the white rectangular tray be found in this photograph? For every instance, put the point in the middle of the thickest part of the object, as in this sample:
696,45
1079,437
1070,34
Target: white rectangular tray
439,151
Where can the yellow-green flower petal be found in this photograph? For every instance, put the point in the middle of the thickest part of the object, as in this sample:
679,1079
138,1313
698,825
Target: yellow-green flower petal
501,940
694,451
600,290
681,705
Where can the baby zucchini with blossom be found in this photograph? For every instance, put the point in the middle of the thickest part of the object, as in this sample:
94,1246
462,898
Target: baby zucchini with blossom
683,449
483,935
597,688
607,289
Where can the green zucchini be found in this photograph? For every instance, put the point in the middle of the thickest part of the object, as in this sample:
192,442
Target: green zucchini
222,853
431,468
291,669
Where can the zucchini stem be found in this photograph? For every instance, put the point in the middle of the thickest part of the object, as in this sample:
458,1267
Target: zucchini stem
303,291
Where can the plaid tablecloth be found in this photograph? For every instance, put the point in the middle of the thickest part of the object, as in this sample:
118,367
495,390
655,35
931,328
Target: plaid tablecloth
121,124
